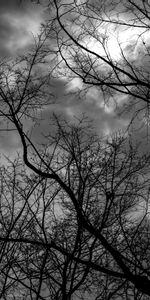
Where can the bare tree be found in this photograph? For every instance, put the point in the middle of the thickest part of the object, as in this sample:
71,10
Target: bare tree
77,222
106,45
82,225
31,264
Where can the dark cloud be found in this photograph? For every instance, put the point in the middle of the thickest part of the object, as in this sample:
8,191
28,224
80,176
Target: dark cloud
19,6
71,106
6,5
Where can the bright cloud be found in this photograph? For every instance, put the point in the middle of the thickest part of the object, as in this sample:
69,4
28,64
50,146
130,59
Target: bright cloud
111,41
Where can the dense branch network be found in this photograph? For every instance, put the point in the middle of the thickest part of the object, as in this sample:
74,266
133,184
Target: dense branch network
74,216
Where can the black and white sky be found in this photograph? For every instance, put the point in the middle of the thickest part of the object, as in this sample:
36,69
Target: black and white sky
19,22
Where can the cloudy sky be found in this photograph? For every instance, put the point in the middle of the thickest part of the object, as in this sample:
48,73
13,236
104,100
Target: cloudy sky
19,21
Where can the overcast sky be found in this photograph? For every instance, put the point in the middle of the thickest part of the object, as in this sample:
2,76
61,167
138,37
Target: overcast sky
18,23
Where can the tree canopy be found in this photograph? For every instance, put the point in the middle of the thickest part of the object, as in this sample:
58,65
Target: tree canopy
74,205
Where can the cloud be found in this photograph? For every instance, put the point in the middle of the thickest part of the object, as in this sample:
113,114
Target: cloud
69,105
18,24
9,142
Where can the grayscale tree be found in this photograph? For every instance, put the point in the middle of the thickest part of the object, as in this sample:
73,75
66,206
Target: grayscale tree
79,227
74,210
106,45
